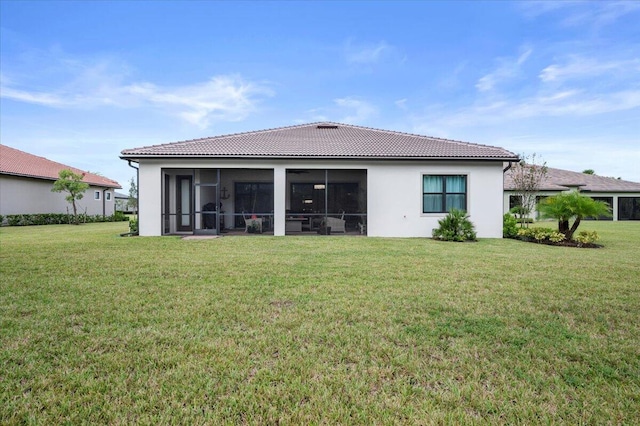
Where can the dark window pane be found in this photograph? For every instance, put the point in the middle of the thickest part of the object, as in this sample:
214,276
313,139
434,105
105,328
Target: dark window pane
455,201
432,203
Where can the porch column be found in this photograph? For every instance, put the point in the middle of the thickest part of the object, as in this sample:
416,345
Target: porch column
279,199
150,200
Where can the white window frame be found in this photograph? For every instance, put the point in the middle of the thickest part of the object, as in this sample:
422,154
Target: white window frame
96,195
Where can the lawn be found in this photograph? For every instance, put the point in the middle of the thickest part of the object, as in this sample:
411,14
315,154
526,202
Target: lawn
96,328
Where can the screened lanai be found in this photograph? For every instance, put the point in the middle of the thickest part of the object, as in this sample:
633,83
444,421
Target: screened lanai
215,201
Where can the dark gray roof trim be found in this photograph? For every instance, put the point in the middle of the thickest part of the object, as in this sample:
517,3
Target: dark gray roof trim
326,140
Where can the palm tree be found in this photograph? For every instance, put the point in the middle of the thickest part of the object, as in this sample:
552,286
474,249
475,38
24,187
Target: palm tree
572,205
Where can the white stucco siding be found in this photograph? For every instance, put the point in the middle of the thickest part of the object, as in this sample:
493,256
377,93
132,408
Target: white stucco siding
394,191
23,195
150,198
395,198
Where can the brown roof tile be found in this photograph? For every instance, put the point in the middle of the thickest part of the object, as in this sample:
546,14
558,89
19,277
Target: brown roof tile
20,163
323,140
562,180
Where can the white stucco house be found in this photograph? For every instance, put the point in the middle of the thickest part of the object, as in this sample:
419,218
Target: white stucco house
26,181
623,197
289,180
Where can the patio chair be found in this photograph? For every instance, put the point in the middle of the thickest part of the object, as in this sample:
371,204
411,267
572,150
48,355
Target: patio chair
252,222
336,224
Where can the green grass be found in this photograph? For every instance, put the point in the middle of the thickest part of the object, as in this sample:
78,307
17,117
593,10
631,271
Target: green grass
95,328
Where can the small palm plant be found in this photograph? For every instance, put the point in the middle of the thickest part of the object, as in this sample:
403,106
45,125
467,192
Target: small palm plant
574,206
455,226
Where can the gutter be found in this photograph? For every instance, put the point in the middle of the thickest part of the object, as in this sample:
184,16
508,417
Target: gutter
104,202
138,197
133,157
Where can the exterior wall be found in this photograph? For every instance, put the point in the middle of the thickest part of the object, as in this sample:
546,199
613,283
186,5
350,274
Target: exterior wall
394,192
23,195
395,198
614,195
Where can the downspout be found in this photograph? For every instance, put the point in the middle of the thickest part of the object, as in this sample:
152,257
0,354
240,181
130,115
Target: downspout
505,170
104,202
138,190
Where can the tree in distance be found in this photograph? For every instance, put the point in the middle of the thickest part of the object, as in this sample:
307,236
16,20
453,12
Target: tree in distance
72,184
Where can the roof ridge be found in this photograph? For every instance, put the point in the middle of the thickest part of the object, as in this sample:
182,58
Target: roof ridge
316,123
308,139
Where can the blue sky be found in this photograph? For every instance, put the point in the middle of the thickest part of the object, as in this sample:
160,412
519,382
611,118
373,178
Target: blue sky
81,81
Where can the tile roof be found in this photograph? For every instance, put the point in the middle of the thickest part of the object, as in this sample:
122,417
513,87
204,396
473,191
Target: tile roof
20,163
323,140
562,180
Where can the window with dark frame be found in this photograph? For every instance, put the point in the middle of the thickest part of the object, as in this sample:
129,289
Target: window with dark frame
441,193
108,196
96,195
514,201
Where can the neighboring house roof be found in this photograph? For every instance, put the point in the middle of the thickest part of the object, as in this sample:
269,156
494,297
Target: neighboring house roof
562,180
19,163
121,196
323,140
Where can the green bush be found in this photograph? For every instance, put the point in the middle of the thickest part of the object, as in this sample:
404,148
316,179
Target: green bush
540,234
133,225
455,226
509,226
60,218
118,216
586,237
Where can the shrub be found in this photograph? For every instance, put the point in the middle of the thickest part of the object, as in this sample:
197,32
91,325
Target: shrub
118,216
587,237
509,226
556,237
455,226
133,225
60,218
540,235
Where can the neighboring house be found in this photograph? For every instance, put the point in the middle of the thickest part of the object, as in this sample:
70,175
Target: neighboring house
289,179
122,203
26,181
622,196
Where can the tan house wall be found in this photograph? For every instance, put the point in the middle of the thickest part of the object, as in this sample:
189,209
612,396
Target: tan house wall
23,195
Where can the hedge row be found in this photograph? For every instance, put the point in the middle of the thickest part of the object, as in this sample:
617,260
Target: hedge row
58,219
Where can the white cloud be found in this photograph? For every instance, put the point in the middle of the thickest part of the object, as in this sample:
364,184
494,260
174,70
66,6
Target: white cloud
366,54
570,103
580,67
103,83
358,111
599,14
507,69
227,98
593,14
401,103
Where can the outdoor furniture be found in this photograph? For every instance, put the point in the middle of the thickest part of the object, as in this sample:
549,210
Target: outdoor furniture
252,222
336,224
294,224
363,228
